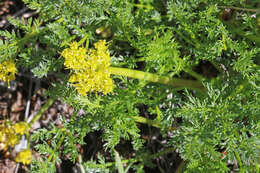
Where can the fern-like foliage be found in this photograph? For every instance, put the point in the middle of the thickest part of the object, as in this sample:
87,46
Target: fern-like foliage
201,40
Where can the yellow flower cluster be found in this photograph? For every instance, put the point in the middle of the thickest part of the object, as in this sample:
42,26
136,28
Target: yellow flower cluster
7,70
90,68
9,134
8,137
21,128
24,157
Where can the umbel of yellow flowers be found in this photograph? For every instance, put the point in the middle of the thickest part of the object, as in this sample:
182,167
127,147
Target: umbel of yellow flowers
7,70
10,135
90,69
24,157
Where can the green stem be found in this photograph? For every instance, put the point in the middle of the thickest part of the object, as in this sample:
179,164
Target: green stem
41,111
238,160
189,71
174,82
153,123
236,29
144,120
186,39
29,36
217,67
148,7
251,37
153,156
240,9
56,148
80,164
194,74
161,153
181,167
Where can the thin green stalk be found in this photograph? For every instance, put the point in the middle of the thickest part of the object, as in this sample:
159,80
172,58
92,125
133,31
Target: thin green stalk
240,9
153,156
30,35
56,148
174,82
80,164
181,167
194,74
148,7
238,159
189,71
216,66
110,164
41,111
161,153
144,120
153,123
186,39
237,30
